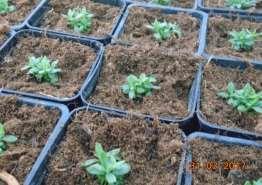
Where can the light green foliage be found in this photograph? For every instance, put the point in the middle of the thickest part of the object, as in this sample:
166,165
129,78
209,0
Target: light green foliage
244,100
43,69
254,182
136,87
5,139
162,2
164,30
244,39
240,4
5,7
108,167
80,19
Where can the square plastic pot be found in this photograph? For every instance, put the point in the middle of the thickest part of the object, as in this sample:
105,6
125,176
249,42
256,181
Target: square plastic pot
96,46
225,10
186,123
201,16
34,174
37,176
233,16
214,128
38,13
187,178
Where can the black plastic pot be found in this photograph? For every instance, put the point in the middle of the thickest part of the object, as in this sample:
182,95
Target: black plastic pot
186,123
36,16
40,171
205,125
187,178
96,46
137,1
225,10
64,114
201,16
232,16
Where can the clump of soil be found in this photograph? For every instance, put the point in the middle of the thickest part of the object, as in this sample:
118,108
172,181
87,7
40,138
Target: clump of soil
204,152
177,3
135,30
218,37
4,29
74,60
216,109
105,16
152,149
222,4
174,74
32,126
23,8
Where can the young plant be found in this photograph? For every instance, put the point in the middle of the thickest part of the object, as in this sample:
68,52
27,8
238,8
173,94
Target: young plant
244,39
240,4
42,69
162,2
5,139
254,182
137,87
164,30
5,7
80,19
244,100
108,167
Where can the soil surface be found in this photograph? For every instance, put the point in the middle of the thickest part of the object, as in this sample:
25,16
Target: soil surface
153,150
222,4
104,18
215,109
247,160
23,8
74,60
218,38
177,3
4,29
174,74
135,30
32,126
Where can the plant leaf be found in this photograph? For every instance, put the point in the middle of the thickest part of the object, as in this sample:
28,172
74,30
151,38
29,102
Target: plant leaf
88,163
10,139
110,178
96,169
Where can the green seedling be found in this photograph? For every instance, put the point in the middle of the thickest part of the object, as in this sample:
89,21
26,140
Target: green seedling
137,87
162,2
107,167
244,40
5,7
254,182
5,139
164,30
244,100
42,69
240,4
79,19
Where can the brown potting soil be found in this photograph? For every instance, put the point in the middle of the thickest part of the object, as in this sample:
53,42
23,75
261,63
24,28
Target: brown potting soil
174,74
177,3
153,151
135,30
247,163
222,4
216,109
31,126
218,38
23,8
103,21
74,60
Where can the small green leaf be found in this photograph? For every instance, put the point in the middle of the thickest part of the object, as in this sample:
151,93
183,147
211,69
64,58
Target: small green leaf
223,94
96,169
121,168
111,179
88,163
2,130
10,139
